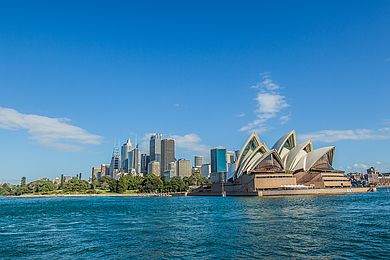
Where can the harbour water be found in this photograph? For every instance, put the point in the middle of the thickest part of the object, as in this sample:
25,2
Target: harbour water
355,226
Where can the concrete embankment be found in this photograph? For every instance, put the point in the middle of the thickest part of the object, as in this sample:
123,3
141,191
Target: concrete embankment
314,191
264,193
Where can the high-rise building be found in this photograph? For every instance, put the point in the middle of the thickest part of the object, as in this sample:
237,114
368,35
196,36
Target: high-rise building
145,159
218,165
115,162
230,157
231,169
134,164
105,169
198,161
230,164
154,168
218,160
167,153
183,168
96,172
125,149
206,170
171,172
155,147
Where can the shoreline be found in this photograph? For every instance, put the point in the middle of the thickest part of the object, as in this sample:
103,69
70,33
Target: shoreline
95,195
334,191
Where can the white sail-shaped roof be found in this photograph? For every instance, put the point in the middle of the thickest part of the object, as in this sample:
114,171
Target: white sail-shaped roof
310,159
296,154
317,154
252,148
285,144
257,154
285,155
250,145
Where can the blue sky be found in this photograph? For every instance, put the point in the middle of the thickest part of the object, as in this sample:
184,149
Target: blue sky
77,77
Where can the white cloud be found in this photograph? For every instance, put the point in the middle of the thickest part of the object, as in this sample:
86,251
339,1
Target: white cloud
52,132
191,143
358,166
328,136
241,115
284,119
269,104
145,143
266,83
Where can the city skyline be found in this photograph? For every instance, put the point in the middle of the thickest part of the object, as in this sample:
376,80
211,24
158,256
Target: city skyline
206,76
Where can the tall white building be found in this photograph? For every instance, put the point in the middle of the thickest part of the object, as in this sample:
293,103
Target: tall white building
134,161
125,149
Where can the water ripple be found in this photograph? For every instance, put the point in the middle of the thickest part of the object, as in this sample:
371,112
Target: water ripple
301,227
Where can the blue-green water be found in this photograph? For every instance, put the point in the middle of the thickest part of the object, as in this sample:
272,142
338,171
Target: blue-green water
331,227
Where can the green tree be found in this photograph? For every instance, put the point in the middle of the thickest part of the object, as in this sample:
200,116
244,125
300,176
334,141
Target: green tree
94,182
177,184
151,184
76,185
5,190
112,185
196,179
104,182
167,187
61,182
121,184
187,181
134,182
23,181
42,186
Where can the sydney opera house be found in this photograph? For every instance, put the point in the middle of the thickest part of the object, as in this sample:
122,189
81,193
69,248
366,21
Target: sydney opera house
287,165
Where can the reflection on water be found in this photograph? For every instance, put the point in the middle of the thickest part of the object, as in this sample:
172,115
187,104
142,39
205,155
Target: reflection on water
346,226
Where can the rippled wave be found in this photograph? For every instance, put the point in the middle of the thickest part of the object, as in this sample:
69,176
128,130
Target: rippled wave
300,227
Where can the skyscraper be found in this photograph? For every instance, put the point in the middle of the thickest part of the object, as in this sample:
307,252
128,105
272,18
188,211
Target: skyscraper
171,172
154,168
145,159
155,147
134,160
183,168
167,153
218,160
96,173
115,162
230,157
105,169
125,149
206,170
198,161
218,165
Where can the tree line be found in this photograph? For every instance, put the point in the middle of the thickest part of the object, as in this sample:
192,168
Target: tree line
126,183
